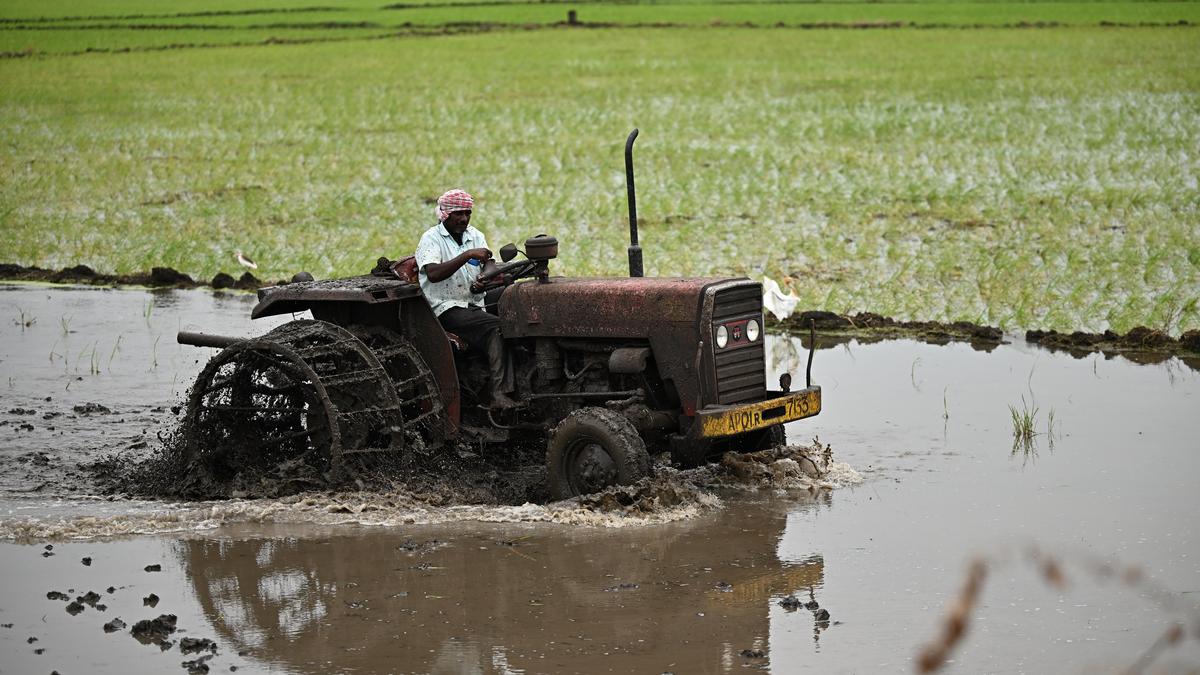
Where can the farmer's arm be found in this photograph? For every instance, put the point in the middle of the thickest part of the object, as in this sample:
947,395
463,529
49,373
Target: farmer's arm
440,271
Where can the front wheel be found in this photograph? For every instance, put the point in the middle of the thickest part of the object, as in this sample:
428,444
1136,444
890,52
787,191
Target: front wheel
591,449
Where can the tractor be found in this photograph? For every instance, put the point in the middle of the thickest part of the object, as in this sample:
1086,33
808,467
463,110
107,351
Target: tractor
608,371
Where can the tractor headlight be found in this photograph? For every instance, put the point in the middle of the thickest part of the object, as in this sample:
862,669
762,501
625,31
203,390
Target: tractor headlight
722,336
752,330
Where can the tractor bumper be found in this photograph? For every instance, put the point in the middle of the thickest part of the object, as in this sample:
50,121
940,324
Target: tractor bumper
716,421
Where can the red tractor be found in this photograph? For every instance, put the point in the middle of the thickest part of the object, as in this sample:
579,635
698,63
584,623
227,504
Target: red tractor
608,370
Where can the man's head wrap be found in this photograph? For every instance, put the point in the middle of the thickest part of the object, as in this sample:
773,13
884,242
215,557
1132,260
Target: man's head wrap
451,201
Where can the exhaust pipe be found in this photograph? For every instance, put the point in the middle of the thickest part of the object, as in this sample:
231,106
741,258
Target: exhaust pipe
635,251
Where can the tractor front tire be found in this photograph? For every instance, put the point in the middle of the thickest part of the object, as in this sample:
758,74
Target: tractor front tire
592,449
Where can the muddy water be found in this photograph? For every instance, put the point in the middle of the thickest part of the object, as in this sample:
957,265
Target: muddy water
371,583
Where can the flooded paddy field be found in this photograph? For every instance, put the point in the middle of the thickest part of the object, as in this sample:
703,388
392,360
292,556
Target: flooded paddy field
1086,534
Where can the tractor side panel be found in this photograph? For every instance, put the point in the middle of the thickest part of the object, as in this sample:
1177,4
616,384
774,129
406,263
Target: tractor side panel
421,327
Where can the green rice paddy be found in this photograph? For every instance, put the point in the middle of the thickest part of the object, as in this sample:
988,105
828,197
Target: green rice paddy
1026,177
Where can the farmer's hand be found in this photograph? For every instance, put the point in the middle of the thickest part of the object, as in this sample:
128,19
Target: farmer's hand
480,254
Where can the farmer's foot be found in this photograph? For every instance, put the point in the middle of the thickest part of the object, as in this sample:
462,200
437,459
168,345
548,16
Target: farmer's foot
501,401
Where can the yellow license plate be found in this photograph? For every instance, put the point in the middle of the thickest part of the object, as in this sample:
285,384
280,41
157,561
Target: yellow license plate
730,420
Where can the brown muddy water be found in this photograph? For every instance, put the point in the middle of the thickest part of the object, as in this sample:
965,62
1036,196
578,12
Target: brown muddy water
1090,534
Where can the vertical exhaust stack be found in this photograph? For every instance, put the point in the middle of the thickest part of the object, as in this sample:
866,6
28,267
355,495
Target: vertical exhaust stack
635,251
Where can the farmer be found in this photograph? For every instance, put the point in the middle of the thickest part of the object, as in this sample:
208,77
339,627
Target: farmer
450,256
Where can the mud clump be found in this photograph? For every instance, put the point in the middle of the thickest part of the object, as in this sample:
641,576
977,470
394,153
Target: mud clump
872,327
167,276
1140,344
114,626
197,666
154,631
91,409
190,645
1190,341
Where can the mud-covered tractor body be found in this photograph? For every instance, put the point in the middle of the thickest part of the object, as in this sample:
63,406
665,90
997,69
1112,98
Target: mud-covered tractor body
374,373
608,371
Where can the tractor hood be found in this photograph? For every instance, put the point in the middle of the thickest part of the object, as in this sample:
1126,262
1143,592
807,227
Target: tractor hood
616,307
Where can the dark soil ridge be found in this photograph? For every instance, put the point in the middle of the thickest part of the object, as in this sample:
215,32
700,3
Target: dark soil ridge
473,27
159,277
864,326
836,328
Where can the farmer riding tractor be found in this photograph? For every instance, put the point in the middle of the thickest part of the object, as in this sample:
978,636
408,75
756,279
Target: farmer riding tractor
606,370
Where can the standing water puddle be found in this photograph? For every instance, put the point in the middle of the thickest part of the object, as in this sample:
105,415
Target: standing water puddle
307,587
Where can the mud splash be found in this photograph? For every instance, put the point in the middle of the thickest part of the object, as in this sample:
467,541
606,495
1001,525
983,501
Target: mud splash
670,495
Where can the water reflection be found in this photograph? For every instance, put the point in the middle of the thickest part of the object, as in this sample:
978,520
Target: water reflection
684,597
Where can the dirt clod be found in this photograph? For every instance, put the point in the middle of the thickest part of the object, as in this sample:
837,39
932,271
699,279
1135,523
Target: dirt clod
753,654
74,608
198,666
92,409
791,603
821,615
154,568
167,276
150,600
57,595
114,626
154,631
87,562
89,598
190,645
1190,341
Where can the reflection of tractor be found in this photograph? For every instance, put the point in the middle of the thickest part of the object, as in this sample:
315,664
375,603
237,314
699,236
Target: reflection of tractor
691,595
606,368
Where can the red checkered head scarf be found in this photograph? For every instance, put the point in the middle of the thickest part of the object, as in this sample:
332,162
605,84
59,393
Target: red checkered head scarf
451,201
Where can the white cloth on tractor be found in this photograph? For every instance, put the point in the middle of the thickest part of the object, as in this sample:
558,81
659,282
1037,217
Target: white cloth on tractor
437,246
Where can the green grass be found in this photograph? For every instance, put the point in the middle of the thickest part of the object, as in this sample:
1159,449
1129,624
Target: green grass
1027,178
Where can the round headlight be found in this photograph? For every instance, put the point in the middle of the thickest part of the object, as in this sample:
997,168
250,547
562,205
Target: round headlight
722,336
752,330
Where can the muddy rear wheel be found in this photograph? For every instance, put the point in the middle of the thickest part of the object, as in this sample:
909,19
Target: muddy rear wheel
307,390
591,449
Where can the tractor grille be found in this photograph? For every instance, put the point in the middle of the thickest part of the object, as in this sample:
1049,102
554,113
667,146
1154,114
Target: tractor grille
741,372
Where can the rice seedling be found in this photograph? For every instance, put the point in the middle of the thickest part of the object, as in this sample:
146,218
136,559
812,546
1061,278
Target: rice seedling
65,322
24,319
957,182
1024,423
116,348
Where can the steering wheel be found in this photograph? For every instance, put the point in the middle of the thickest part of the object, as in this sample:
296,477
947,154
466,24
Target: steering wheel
502,274
505,268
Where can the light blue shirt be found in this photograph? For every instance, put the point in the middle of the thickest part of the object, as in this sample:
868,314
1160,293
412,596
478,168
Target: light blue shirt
437,245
